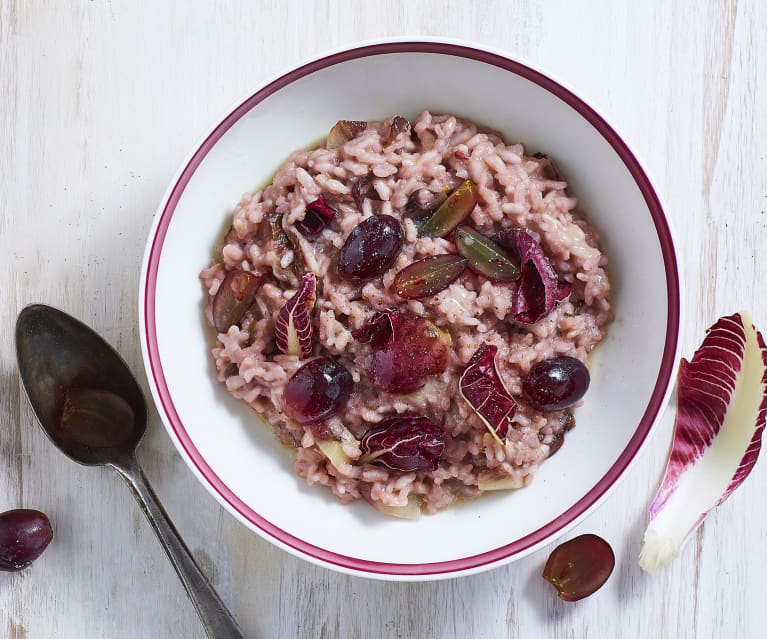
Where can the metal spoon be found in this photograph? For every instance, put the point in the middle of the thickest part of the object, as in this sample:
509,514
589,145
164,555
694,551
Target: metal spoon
92,409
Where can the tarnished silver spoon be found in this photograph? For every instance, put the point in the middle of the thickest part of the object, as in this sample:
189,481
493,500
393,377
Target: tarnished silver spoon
92,409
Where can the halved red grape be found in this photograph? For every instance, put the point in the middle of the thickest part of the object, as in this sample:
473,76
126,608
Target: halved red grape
485,256
371,248
234,296
428,276
417,348
579,567
555,383
317,389
24,535
452,212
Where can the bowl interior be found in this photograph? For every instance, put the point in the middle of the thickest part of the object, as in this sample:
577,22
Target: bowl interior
241,451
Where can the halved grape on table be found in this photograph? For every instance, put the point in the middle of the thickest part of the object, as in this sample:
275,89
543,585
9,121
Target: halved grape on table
411,307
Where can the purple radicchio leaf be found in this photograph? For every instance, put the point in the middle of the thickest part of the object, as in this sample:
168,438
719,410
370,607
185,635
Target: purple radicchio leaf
721,409
293,327
318,215
409,443
482,387
538,289
379,329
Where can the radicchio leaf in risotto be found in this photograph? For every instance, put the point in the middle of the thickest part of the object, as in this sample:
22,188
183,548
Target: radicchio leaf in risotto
379,329
482,387
538,289
318,215
409,443
293,327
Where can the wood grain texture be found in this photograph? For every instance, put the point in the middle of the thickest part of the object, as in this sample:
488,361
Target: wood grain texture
99,103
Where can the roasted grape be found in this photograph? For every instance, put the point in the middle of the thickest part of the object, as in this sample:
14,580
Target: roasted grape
317,390
555,383
452,212
485,256
579,567
24,535
428,276
234,297
371,248
416,350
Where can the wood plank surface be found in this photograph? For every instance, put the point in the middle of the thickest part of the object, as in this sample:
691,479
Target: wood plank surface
99,103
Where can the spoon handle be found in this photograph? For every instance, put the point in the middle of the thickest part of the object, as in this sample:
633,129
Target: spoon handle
216,619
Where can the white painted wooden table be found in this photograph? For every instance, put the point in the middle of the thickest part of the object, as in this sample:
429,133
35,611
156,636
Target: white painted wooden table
99,103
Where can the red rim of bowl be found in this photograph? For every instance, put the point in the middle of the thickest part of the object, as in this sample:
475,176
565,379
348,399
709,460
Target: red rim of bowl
498,554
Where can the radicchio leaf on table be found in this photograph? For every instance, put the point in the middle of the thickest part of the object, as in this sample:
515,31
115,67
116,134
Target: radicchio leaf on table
721,409
482,387
538,289
409,443
293,327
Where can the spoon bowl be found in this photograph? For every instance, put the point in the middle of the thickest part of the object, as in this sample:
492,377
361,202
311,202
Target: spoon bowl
60,358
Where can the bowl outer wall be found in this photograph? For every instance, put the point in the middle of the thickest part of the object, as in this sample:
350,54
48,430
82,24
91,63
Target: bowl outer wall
440,569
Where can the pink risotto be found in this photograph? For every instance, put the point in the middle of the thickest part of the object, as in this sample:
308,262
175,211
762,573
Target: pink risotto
411,307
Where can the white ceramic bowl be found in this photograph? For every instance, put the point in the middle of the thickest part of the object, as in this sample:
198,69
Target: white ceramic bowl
238,459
